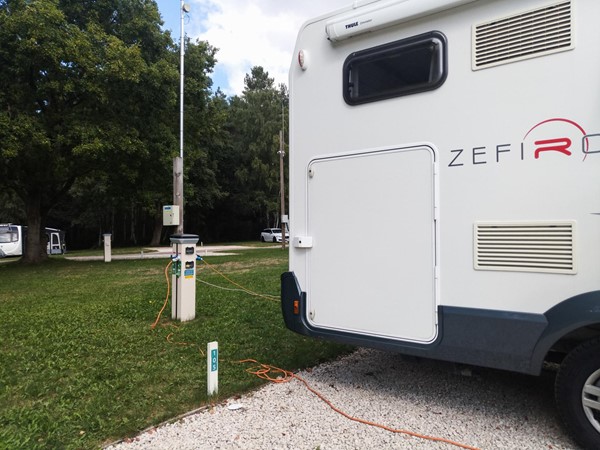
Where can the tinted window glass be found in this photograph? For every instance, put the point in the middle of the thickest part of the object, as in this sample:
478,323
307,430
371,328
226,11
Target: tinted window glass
8,234
408,66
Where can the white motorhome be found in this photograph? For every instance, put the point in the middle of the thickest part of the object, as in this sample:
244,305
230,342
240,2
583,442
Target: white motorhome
13,240
445,186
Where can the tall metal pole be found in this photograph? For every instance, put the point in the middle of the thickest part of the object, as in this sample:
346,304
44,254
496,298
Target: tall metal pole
181,79
178,162
282,189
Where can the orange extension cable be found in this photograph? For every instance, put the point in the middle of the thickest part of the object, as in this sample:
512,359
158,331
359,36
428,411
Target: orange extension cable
246,290
265,372
153,326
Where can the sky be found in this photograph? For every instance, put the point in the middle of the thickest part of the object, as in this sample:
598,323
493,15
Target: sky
247,33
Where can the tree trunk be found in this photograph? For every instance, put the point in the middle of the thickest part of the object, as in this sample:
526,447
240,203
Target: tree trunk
35,248
133,235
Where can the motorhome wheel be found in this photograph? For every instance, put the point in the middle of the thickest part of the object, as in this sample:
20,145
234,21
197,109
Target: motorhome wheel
578,393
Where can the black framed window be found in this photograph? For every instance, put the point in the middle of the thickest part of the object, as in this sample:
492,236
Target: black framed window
403,67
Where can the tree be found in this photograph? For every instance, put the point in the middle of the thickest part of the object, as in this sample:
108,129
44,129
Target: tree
256,118
205,136
12,207
67,71
133,196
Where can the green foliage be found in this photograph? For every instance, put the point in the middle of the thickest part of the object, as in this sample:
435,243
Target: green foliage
88,96
89,126
81,365
12,207
256,118
61,110
205,135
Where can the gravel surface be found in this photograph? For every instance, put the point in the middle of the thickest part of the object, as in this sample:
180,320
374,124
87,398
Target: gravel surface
482,408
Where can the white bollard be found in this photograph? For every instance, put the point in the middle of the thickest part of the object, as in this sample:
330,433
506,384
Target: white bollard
212,368
107,248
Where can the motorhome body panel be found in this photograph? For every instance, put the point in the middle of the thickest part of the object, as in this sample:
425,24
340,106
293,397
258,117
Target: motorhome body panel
343,199
517,152
11,240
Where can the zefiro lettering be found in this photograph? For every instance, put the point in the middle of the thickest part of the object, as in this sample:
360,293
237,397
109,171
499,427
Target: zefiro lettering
499,153
482,155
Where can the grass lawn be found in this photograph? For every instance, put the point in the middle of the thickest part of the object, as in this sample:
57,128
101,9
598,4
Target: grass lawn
81,366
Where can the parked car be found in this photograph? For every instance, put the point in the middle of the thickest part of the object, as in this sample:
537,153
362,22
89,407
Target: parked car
272,235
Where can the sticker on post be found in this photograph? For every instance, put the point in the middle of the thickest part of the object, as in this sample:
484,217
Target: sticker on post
214,360
212,368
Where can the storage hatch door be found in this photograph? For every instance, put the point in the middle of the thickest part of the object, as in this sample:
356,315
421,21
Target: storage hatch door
371,267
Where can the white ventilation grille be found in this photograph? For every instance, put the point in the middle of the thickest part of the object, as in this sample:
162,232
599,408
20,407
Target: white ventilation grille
526,35
528,247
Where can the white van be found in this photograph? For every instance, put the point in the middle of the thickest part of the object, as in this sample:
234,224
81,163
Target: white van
467,133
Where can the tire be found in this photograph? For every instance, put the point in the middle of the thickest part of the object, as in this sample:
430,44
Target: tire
262,238
577,393
274,239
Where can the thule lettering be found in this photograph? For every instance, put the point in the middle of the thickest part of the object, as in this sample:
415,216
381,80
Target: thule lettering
352,25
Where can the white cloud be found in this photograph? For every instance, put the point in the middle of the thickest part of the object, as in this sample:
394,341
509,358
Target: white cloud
253,33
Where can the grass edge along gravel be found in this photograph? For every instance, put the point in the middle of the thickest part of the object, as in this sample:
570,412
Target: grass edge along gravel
82,366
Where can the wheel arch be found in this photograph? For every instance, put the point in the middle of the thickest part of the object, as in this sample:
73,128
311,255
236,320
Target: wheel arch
570,323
